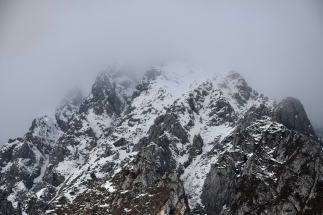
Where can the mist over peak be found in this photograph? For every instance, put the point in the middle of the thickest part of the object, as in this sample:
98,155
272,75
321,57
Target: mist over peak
47,48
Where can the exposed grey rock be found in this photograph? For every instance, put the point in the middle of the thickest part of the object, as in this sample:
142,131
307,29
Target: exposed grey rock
195,150
164,124
21,159
255,113
218,110
138,188
241,92
66,149
110,93
198,143
68,107
104,97
223,110
148,183
160,155
291,113
6,208
83,131
149,76
160,140
244,91
270,171
120,142
192,104
219,185
53,178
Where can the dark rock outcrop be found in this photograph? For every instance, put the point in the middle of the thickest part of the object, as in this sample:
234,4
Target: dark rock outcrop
219,185
120,142
291,113
198,143
149,77
67,149
163,125
68,107
271,170
111,92
22,159
6,208
103,98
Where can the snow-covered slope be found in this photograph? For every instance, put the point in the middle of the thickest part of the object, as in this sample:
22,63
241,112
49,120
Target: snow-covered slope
210,112
153,95
200,108
24,160
96,117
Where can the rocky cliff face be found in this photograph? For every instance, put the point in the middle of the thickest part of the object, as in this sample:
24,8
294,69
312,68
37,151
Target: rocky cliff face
291,113
68,107
24,159
146,184
173,143
268,170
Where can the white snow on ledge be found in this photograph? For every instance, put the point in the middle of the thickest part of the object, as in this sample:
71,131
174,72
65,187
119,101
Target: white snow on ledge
109,187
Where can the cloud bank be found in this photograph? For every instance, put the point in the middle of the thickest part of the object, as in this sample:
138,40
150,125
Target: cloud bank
47,48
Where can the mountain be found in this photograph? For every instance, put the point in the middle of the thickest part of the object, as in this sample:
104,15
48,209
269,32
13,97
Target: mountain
175,142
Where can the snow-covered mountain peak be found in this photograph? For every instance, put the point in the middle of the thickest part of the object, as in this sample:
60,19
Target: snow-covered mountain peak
68,107
176,142
240,95
177,71
110,93
154,94
39,124
122,75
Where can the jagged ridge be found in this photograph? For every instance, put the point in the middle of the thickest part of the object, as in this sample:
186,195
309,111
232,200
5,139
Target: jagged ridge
171,144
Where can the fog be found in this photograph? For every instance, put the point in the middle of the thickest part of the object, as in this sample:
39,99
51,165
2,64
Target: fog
49,47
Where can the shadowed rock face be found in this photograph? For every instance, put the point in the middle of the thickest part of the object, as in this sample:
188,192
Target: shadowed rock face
6,207
244,90
68,108
136,191
148,184
272,171
110,93
21,159
163,124
161,138
219,185
104,98
198,143
291,113
149,76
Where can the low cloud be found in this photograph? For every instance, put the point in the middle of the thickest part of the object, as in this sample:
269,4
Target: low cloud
47,48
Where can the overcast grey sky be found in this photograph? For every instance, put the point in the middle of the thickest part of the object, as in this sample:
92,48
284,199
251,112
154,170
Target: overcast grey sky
48,47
